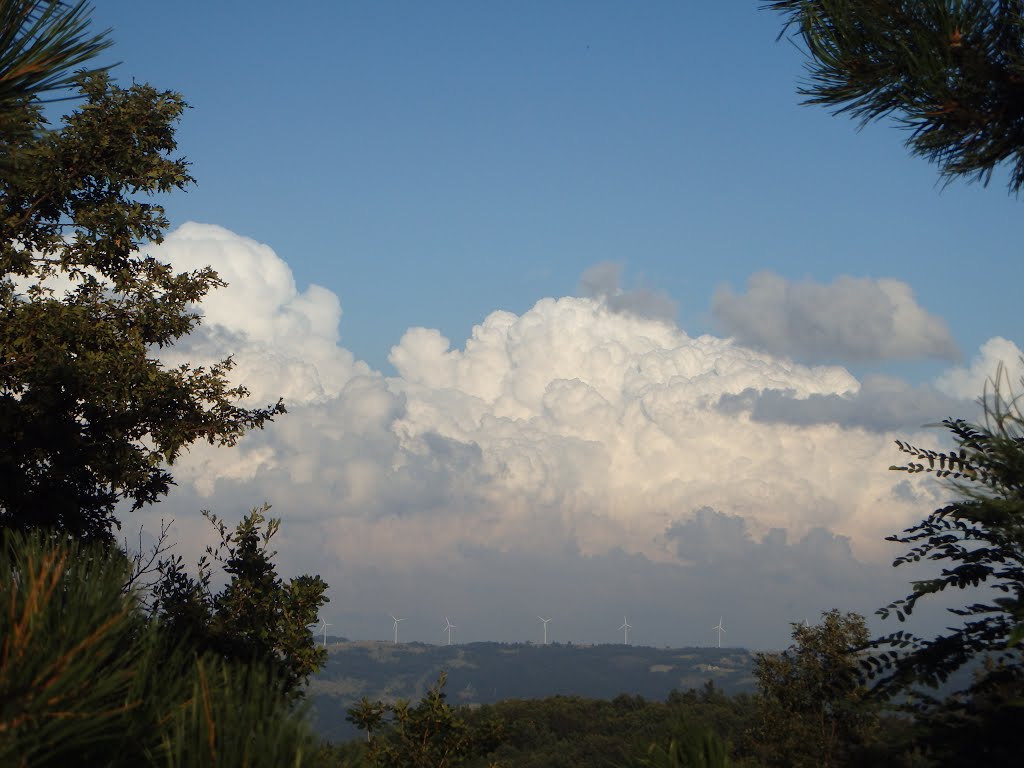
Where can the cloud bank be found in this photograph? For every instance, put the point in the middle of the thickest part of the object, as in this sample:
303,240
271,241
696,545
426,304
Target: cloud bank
851,319
576,459
881,404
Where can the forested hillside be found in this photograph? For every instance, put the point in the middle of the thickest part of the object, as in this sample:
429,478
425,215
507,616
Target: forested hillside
484,673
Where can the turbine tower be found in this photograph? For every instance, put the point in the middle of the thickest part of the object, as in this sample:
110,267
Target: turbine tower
448,627
720,629
324,628
545,628
396,626
626,626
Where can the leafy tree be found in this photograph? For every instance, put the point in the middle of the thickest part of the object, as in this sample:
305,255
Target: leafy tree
813,709
428,735
977,728
88,413
89,417
256,617
42,42
978,540
575,731
951,72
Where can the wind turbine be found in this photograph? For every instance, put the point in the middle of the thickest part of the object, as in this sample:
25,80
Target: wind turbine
545,628
448,627
626,626
721,631
324,628
396,626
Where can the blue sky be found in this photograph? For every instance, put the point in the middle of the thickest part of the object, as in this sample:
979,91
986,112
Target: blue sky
578,448
432,162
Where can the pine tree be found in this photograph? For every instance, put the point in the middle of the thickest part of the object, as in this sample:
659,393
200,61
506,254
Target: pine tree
85,679
951,72
42,42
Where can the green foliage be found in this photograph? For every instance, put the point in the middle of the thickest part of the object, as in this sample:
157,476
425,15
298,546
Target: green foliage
234,715
85,679
428,735
813,708
978,540
526,732
257,617
482,673
89,415
42,42
693,746
951,72
690,728
575,732
67,649
979,728
367,716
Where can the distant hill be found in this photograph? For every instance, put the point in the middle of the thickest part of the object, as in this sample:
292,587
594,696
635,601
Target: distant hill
483,673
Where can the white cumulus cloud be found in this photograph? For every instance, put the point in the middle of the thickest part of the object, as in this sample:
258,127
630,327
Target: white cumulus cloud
571,439
287,339
971,381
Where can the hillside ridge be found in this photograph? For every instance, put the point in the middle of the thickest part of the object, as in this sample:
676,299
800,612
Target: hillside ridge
486,672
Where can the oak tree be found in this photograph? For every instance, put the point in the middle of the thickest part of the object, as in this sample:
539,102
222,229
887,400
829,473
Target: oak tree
257,617
430,734
813,707
90,416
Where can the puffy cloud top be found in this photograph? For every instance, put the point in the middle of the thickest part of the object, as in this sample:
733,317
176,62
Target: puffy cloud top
574,435
971,381
599,426
287,340
610,421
